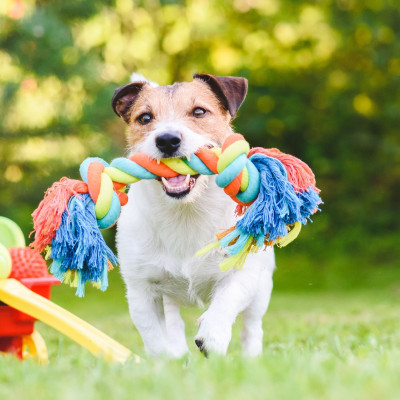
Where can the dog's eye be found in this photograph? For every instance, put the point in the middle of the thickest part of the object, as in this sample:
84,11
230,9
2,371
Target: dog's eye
144,118
199,112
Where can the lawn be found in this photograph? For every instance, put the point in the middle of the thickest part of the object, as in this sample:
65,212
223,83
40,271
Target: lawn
317,345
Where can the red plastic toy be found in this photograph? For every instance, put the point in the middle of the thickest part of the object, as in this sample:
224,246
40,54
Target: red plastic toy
17,328
24,298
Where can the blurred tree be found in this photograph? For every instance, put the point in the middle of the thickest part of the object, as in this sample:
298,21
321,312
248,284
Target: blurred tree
324,85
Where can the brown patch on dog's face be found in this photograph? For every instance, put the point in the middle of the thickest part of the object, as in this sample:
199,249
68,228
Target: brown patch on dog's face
192,104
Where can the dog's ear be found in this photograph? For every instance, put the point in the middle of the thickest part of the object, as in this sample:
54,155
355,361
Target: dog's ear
230,90
124,97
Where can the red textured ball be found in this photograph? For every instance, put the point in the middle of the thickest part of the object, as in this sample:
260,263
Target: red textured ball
27,263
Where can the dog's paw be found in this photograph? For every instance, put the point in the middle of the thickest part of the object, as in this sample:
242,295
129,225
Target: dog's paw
176,352
213,336
200,344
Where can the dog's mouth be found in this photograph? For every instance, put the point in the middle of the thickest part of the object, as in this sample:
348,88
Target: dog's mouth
178,186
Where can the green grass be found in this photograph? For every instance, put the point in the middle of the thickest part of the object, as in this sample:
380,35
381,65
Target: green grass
317,345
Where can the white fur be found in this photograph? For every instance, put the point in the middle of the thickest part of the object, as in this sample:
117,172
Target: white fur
157,239
191,141
135,77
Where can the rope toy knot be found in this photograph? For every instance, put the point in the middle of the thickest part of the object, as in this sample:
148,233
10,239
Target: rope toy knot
237,175
103,192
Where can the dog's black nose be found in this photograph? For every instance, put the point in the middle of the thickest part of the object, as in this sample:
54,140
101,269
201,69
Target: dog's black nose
168,143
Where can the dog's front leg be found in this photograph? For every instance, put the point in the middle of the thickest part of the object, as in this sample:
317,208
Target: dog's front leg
146,309
177,346
232,295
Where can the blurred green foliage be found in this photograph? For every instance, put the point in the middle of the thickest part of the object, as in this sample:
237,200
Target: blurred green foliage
324,85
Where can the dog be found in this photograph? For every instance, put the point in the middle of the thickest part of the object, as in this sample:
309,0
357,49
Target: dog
167,220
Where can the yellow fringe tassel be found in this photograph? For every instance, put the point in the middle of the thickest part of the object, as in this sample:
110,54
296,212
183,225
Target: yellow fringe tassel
207,248
292,235
238,260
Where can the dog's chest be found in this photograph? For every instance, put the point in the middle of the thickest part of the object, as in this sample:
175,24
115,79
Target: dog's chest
180,274
157,244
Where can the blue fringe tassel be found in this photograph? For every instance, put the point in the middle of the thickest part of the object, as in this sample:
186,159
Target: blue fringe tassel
277,204
310,201
79,246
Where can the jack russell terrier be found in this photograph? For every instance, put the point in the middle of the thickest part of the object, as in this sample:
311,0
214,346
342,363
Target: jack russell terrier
167,220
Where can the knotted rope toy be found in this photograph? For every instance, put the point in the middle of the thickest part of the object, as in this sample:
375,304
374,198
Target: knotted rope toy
275,192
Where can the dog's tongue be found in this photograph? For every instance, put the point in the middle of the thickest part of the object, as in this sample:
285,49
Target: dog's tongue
176,180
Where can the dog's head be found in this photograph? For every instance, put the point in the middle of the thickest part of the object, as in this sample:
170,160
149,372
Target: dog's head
176,120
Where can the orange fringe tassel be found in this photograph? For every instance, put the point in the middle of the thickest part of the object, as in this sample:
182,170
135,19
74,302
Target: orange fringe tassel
47,217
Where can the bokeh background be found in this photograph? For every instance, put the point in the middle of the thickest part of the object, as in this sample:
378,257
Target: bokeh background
324,81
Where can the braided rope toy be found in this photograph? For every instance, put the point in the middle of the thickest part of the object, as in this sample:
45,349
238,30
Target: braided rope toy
275,192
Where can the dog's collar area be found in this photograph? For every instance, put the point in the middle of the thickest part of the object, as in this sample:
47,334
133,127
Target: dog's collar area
178,186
